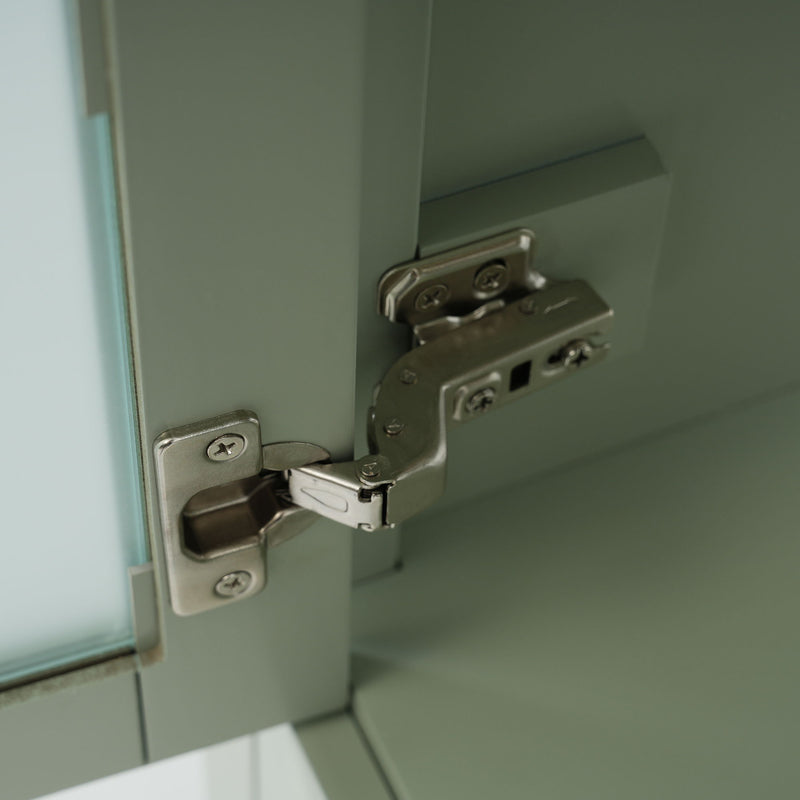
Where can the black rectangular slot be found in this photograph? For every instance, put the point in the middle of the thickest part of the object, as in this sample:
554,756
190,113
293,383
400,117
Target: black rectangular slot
520,376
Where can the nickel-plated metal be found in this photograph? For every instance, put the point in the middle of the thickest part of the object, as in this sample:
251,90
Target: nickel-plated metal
227,447
476,396
432,297
481,400
370,469
474,355
490,279
470,274
233,584
280,456
576,353
185,470
489,329
348,492
219,517
394,427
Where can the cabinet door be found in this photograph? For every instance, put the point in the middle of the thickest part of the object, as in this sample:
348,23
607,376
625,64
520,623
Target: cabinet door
237,132
239,138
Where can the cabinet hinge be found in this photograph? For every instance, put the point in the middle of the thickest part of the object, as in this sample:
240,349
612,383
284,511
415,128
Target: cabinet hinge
487,329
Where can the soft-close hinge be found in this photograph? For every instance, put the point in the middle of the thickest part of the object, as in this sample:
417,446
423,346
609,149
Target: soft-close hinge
487,329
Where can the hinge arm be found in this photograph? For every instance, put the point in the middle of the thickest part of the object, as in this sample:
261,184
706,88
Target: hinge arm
453,378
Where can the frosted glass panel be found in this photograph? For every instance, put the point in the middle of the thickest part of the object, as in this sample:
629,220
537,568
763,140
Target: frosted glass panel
72,520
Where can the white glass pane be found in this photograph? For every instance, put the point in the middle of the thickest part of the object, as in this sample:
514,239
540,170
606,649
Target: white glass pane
72,520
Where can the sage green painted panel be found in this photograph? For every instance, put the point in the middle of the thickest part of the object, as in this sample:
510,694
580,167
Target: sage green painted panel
622,629
565,79
64,732
396,80
279,657
238,132
341,761
713,87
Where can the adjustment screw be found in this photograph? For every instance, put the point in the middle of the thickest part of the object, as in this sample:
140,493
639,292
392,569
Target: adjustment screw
408,377
370,469
233,584
528,305
432,297
394,427
226,448
480,401
491,278
575,353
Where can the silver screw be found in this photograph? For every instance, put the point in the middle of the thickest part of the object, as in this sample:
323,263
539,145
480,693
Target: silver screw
394,427
575,353
480,401
370,469
233,584
226,448
432,297
491,277
408,377
528,305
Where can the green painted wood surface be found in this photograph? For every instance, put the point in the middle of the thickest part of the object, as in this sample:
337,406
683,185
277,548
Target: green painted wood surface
712,86
625,628
65,731
342,763
239,132
396,81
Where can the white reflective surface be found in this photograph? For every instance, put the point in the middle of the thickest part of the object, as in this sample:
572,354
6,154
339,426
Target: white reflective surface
270,765
71,521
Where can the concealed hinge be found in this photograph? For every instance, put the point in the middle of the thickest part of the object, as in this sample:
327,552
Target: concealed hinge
487,330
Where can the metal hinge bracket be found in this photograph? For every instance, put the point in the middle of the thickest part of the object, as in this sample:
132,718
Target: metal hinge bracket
487,329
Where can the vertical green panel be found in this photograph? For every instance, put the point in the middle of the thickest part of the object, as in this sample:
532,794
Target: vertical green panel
341,759
396,82
65,732
238,131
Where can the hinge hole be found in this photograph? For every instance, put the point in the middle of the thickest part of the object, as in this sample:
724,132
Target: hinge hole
520,376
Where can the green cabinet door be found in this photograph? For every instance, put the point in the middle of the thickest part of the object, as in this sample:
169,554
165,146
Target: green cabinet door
271,161
240,136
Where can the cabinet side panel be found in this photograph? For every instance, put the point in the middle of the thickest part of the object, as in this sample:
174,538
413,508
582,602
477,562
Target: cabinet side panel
622,629
341,759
